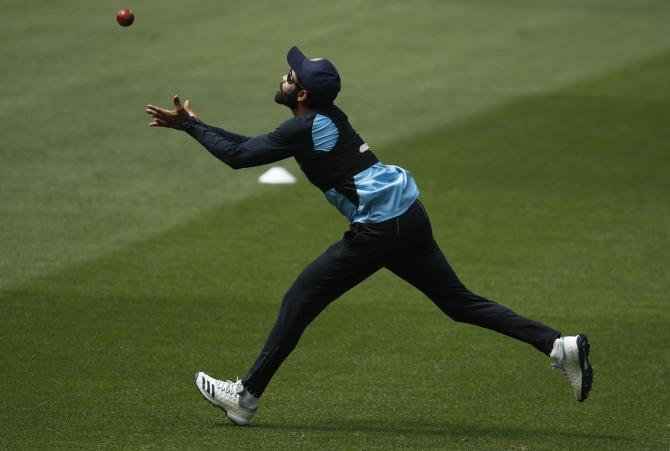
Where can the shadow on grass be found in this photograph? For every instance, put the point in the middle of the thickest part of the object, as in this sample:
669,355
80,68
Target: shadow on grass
455,432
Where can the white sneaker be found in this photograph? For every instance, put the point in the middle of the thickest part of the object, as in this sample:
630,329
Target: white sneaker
571,355
239,405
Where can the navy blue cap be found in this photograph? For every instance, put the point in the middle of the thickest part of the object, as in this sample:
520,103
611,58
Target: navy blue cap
318,75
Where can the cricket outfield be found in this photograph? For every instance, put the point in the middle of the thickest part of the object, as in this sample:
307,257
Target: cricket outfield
130,258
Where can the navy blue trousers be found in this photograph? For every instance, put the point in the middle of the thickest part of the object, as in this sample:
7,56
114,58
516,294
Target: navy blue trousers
404,245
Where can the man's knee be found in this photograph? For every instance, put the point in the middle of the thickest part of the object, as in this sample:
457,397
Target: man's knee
460,304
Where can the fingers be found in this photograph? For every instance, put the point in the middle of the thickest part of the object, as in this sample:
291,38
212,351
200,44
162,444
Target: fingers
155,108
187,107
157,123
167,118
156,111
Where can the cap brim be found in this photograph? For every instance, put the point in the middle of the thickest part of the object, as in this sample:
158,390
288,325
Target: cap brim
295,58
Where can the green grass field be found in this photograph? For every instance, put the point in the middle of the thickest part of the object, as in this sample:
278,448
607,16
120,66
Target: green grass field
539,135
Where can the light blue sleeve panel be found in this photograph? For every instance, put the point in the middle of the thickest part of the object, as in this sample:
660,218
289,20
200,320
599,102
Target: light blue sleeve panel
384,192
324,133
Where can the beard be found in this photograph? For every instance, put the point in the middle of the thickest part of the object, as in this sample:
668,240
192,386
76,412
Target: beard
290,99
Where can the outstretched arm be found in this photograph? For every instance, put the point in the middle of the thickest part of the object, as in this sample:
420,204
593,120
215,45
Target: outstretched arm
235,150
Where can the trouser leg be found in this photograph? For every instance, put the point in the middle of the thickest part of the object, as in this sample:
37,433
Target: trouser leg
341,267
426,268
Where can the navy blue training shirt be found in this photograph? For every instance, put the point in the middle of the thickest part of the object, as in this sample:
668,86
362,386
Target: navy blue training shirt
330,153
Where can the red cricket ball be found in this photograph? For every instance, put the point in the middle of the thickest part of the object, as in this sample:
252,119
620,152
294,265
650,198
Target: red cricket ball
125,17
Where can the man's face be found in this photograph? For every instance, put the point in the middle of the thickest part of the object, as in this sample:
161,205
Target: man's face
288,91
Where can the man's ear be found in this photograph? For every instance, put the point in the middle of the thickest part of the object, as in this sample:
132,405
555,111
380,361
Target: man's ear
303,95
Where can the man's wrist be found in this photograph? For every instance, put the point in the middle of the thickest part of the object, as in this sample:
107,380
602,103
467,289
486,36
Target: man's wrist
187,122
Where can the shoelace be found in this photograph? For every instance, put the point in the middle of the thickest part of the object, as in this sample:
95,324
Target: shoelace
230,387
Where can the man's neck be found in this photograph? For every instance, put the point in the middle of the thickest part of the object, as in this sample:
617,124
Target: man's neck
300,110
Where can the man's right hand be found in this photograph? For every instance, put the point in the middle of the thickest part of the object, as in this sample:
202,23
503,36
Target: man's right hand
170,118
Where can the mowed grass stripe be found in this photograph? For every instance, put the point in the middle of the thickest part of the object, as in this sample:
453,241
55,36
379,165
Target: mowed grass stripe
553,205
81,175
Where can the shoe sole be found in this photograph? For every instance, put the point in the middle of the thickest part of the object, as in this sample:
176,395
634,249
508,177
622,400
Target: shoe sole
237,421
584,348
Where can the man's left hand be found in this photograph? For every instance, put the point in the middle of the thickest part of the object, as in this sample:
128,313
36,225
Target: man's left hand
170,118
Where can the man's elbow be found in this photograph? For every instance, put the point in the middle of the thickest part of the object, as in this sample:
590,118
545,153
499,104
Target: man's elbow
234,164
239,163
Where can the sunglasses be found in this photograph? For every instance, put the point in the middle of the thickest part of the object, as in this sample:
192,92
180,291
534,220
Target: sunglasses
290,79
